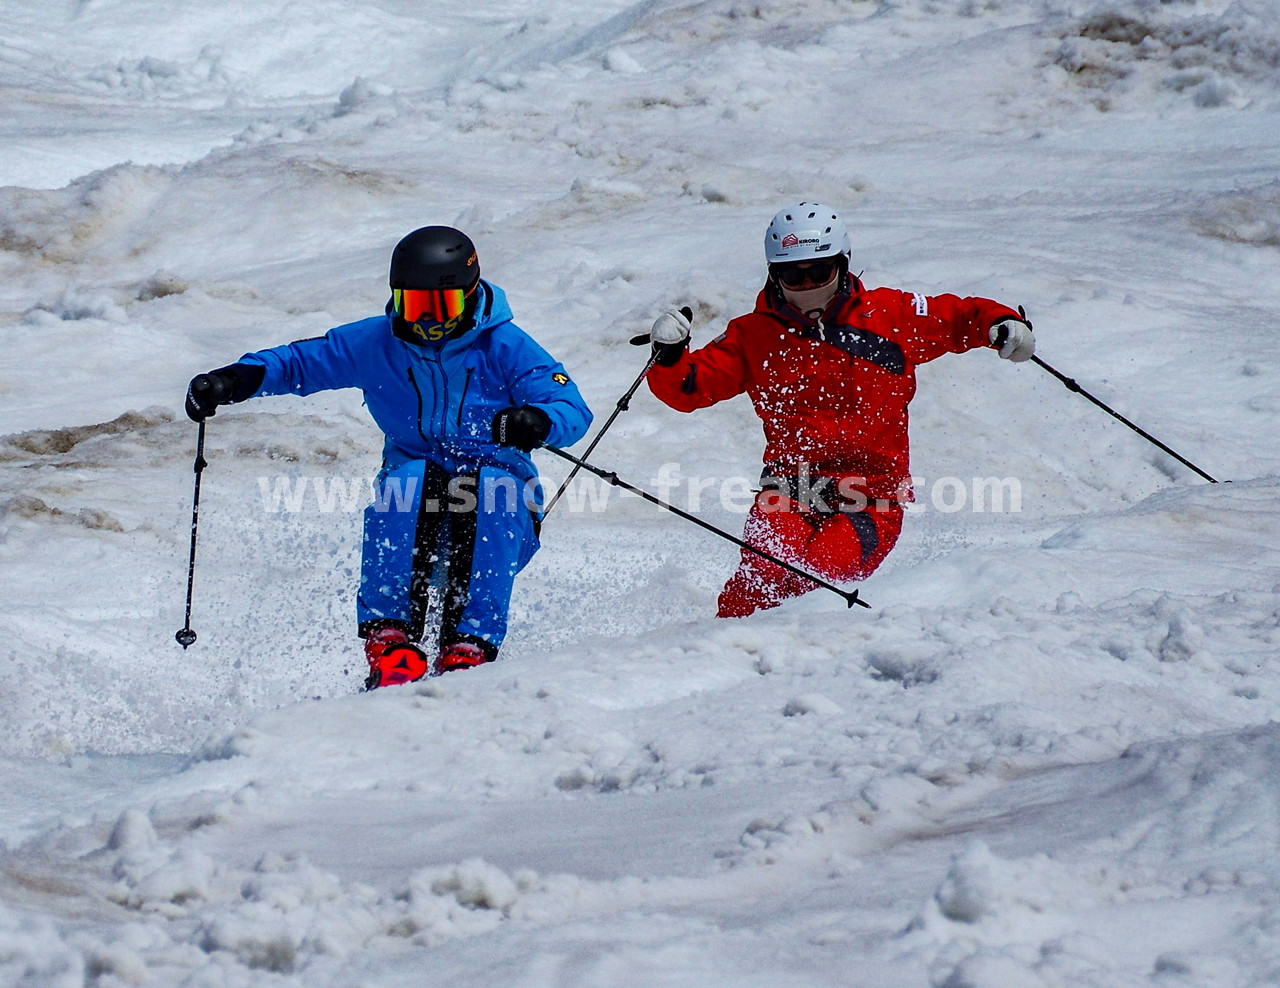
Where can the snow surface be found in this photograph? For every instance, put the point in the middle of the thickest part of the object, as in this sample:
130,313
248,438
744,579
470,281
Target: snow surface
1048,756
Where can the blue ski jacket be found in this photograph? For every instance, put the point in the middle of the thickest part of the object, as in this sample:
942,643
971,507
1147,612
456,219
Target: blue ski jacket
435,399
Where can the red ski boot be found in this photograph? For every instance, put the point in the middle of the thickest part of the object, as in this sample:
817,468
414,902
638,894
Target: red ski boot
393,659
460,655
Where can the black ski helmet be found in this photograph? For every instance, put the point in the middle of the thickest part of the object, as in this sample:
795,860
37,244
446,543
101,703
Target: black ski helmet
435,257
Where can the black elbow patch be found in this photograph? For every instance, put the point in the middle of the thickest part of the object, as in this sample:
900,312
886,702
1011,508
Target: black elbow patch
690,383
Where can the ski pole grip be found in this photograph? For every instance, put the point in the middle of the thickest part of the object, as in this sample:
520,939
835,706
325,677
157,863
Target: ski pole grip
643,338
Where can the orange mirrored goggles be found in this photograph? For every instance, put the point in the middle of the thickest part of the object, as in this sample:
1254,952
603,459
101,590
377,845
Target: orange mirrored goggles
430,304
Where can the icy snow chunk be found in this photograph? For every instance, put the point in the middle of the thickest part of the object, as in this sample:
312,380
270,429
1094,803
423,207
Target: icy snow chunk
162,284
32,953
971,887
770,834
132,833
1185,639
811,703
245,742
909,664
591,189
991,970
1069,602
76,304
288,882
1112,50
52,442
360,95
617,60
115,964
505,82
32,508
477,884
292,911
466,899
165,882
988,899
150,77
259,941
353,97
1216,91
1179,968
1248,216
153,876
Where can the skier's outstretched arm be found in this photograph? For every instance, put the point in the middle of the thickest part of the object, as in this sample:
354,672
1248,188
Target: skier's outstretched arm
302,368
688,381
941,324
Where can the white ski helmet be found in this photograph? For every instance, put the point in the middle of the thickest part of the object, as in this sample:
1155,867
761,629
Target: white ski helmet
806,231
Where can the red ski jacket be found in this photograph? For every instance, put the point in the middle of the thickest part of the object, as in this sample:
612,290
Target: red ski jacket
832,396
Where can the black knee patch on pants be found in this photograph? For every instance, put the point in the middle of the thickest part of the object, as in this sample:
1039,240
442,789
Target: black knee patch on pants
865,528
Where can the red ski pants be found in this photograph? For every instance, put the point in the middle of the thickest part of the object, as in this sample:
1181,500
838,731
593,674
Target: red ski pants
842,548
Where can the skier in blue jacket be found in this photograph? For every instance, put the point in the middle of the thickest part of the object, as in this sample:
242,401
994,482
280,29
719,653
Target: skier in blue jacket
463,395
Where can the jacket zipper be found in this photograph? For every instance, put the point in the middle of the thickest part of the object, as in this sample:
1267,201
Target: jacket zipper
463,400
418,391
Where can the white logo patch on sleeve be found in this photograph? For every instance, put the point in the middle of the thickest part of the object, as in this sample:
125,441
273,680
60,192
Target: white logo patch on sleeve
922,304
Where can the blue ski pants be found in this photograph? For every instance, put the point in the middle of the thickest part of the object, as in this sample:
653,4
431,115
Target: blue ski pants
468,536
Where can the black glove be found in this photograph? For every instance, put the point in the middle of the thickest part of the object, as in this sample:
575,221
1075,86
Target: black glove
223,386
524,427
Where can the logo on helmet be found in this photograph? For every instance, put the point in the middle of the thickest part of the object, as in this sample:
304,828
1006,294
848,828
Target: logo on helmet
802,239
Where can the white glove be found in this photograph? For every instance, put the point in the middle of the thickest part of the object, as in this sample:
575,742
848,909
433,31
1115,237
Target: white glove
672,327
1014,340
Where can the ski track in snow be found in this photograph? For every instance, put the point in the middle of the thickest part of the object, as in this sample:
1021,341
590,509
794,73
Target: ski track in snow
1046,757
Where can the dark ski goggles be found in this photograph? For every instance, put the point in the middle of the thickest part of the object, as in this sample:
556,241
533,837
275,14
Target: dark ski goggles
428,304
805,274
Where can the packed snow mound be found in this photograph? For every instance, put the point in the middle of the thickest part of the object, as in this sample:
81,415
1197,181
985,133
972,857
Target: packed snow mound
1214,54
277,51
64,225
1163,822
143,211
183,912
1247,216
1164,825
71,494
160,78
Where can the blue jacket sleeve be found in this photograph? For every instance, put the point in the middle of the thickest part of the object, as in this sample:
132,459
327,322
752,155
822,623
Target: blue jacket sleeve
536,378
306,366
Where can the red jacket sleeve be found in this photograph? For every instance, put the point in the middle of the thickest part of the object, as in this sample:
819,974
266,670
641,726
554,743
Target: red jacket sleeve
715,372
941,324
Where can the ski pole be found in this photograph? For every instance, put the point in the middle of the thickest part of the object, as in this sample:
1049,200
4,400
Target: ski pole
186,637
850,596
1073,386
623,404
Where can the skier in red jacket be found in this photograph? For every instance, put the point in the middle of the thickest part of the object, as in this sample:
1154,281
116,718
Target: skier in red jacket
830,368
